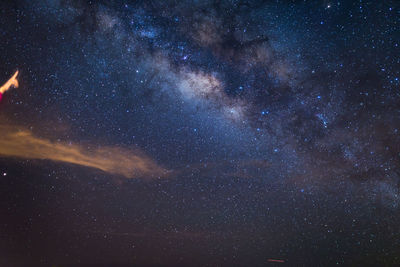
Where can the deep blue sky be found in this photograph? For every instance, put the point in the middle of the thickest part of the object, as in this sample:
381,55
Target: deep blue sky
277,123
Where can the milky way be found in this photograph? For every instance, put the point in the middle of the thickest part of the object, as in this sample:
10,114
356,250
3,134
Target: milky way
269,129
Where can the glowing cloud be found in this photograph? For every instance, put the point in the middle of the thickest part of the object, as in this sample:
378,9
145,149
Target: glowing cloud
23,144
12,82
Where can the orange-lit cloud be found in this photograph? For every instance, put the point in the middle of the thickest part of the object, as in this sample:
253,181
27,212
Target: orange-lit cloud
23,144
12,82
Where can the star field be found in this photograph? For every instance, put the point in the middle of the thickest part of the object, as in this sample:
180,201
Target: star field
188,133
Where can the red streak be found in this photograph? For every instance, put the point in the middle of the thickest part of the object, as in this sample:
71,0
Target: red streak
274,260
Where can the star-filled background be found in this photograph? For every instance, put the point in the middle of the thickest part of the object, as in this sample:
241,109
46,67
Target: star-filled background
191,133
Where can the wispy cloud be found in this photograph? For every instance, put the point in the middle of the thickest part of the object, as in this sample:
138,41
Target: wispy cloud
12,82
115,160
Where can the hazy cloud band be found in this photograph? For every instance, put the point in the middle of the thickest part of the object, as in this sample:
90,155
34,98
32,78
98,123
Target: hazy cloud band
23,144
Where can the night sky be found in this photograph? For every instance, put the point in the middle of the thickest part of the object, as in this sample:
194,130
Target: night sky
200,133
